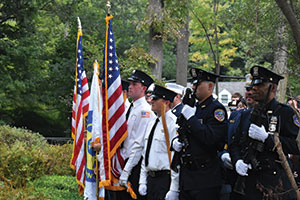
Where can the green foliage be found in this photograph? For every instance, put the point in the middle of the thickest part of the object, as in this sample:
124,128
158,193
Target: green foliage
201,53
28,193
25,156
57,187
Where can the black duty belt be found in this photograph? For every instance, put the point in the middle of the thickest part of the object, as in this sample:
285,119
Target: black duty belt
196,163
158,173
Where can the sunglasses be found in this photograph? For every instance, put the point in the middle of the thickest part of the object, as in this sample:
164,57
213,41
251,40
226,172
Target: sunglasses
248,89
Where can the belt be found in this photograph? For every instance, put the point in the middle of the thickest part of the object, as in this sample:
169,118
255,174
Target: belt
158,173
194,164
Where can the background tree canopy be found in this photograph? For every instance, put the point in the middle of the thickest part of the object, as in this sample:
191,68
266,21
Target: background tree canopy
38,43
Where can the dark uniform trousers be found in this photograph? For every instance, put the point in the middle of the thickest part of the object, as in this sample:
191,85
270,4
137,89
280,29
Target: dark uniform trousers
158,184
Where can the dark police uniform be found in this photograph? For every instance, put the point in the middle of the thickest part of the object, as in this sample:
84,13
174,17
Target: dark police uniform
177,109
200,168
269,176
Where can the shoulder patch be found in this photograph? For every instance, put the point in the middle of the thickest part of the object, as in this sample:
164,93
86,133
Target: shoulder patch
145,114
296,120
219,115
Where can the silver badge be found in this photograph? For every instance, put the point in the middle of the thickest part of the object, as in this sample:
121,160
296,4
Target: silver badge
255,71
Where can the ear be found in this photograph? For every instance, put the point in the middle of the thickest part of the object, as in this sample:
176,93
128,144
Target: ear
211,86
274,87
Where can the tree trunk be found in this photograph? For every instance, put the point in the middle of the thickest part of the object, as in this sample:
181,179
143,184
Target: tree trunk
280,63
291,17
182,55
155,39
217,62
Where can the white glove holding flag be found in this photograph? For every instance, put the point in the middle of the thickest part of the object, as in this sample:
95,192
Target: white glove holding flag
172,195
176,145
258,133
143,189
226,160
124,178
188,111
242,168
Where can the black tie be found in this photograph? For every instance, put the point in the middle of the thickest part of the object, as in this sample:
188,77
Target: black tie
150,142
128,111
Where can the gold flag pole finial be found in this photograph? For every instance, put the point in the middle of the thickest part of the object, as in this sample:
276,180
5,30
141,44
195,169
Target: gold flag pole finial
108,6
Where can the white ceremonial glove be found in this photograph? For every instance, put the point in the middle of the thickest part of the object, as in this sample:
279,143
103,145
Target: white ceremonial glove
172,195
123,178
188,111
143,189
226,160
242,168
258,133
176,145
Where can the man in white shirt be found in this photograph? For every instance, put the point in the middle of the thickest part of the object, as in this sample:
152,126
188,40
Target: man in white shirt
138,116
155,171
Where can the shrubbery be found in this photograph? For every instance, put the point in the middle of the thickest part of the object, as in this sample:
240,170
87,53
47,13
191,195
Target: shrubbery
57,187
25,157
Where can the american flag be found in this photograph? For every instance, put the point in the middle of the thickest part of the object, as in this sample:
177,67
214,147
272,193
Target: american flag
79,112
114,120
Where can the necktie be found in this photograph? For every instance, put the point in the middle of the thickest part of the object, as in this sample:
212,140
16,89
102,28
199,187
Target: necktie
128,111
150,142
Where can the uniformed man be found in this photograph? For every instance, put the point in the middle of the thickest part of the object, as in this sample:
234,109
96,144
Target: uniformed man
234,120
138,115
155,171
177,102
252,150
206,128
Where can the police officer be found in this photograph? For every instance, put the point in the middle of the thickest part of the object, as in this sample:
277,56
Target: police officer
200,168
252,150
138,115
234,120
155,171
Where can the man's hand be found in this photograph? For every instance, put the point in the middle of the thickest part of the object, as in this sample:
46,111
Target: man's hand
188,111
172,195
97,147
143,189
242,168
258,133
176,145
124,178
226,160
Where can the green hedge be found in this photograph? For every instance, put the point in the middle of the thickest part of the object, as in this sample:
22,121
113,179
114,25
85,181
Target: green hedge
26,156
57,187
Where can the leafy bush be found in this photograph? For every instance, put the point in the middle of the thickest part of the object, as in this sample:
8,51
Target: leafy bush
26,156
59,160
27,193
8,135
57,187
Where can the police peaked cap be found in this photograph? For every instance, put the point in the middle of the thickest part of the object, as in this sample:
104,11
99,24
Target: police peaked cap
260,75
201,75
160,92
125,85
142,77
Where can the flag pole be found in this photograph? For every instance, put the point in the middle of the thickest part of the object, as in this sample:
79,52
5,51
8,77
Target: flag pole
108,6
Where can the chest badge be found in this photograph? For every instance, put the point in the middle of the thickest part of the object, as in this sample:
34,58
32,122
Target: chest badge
219,115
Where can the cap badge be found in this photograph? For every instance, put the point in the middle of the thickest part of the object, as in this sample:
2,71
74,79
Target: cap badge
255,71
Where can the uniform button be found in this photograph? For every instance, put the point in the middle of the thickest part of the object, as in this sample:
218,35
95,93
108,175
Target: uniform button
274,172
232,137
202,166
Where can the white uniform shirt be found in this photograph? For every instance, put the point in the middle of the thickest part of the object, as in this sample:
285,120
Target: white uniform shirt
158,154
140,115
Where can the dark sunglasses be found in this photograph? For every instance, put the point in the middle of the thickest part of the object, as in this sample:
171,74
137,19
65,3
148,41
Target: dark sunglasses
248,89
